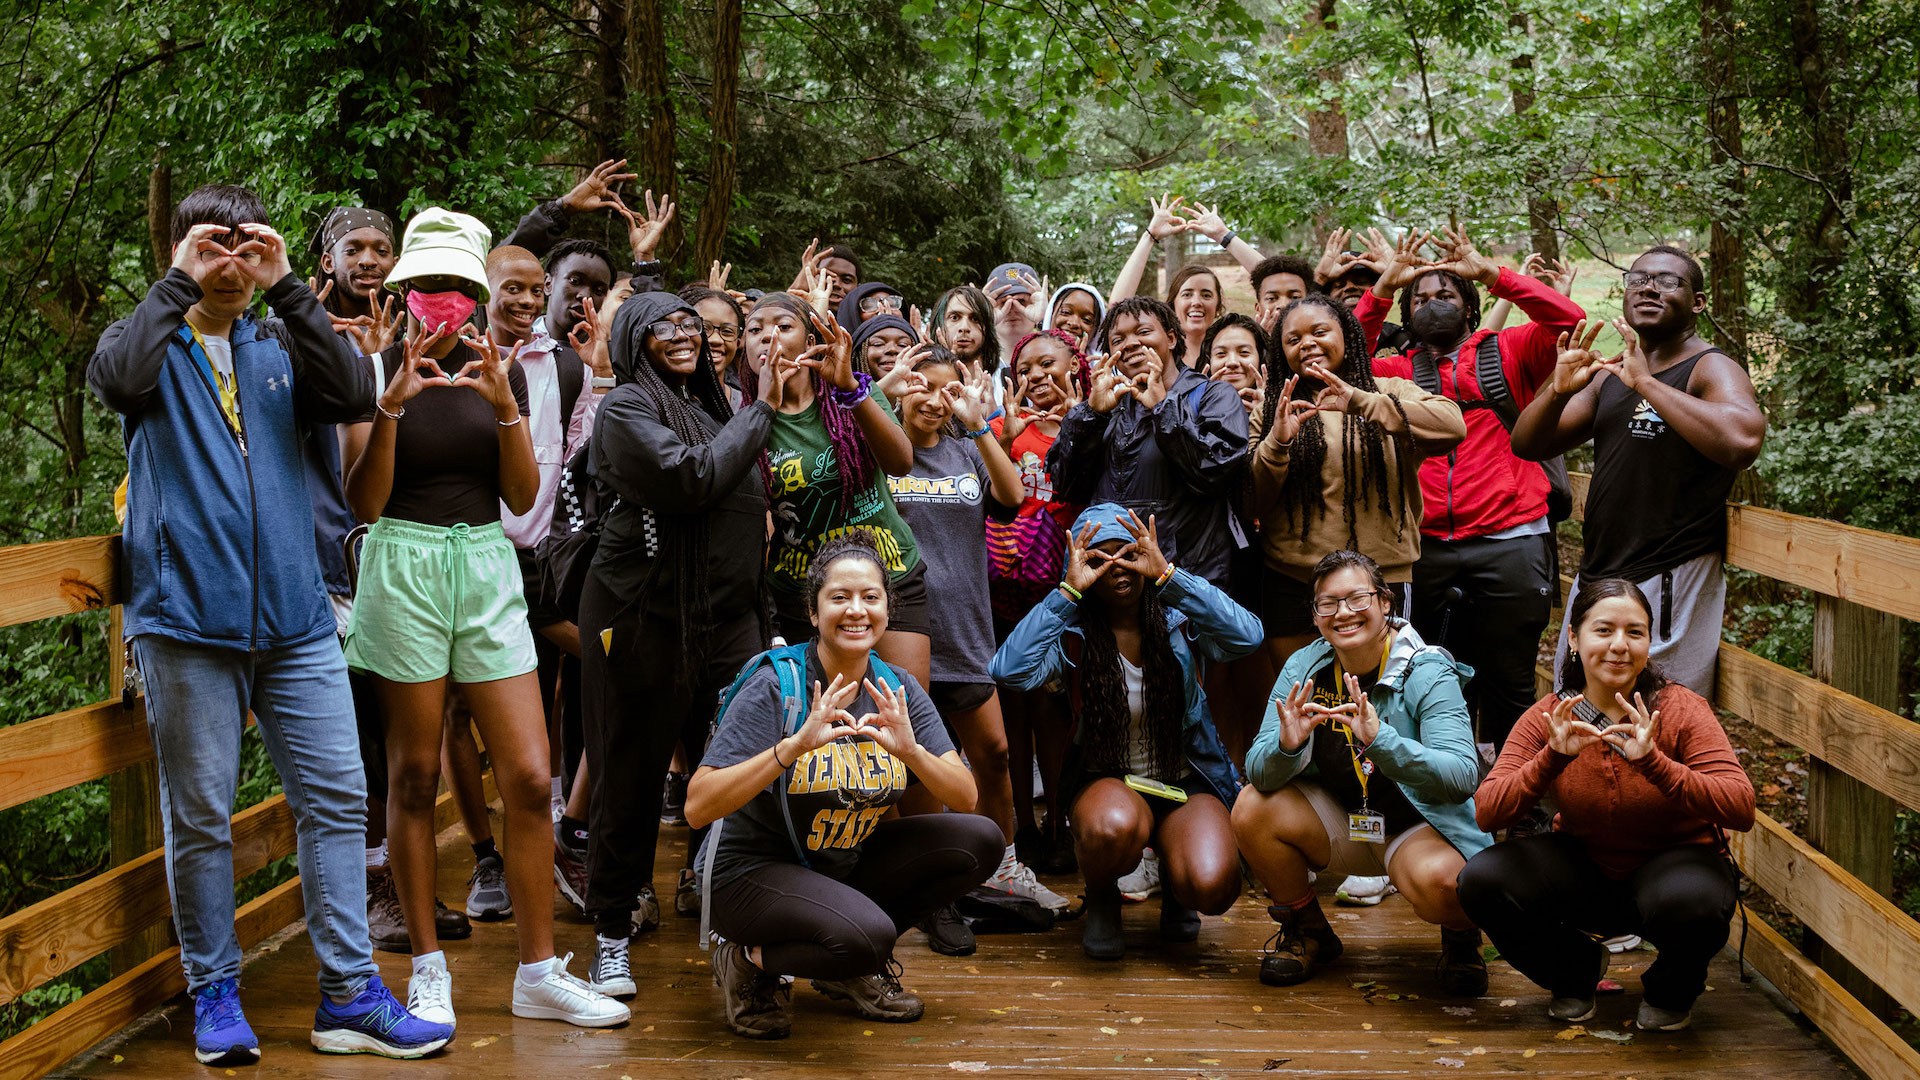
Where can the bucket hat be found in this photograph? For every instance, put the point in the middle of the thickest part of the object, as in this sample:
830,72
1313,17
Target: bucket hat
440,241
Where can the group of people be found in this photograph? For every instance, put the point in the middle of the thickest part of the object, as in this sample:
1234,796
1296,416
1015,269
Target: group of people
855,592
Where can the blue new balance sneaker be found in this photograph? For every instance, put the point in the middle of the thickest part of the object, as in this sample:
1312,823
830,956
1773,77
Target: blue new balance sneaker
221,1034
375,1023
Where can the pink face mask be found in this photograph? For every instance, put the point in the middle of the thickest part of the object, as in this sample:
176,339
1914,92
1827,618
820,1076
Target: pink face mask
450,309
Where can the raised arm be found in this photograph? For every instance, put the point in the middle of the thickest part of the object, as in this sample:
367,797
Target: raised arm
1206,221
1560,416
1165,222
126,363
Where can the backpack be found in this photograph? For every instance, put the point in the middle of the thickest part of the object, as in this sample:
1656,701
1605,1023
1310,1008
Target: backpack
1497,395
789,663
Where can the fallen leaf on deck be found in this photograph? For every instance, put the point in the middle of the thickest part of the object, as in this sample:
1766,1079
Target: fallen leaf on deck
646,1029
1442,1041
1055,982
1451,1063
1349,916
1209,1061
1258,1008
967,1066
1136,1019
869,1031
1613,1036
1709,987
973,971
118,1058
1508,1003
1366,1027
1109,1031
1393,997
1478,1050
1362,985
488,1041
1274,1063
1457,1010
1572,1033
1529,1053
813,1055
998,1012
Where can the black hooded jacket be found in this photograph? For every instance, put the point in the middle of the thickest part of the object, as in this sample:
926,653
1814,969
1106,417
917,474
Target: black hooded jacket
664,484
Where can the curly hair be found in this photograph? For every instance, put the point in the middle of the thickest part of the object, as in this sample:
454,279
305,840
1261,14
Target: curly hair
855,543
1573,675
1106,723
857,465
1362,440
1137,306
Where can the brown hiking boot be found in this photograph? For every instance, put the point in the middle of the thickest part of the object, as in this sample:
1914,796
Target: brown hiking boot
1303,941
1463,967
385,925
756,1001
876,997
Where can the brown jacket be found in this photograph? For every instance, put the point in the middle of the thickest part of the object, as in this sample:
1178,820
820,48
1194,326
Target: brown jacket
1434,426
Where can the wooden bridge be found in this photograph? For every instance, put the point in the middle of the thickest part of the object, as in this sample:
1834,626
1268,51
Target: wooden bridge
1032,1005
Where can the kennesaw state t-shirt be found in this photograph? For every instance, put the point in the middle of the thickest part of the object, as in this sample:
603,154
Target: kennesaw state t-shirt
835,794
945,501
806,483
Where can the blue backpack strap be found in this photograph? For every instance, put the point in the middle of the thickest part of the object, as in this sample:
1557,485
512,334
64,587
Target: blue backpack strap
878,668
790,670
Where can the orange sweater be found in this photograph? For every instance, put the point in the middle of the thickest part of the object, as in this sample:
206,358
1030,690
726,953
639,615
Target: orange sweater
1625,811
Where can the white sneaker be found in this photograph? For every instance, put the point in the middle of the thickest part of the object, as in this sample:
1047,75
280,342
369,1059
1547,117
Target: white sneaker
430,995
1359,891
1145,879
1623,943
1015,879
612,972
560,996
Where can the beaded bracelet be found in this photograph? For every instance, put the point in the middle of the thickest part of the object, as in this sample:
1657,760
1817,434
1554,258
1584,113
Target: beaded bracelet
984,430
1072,592
1165,576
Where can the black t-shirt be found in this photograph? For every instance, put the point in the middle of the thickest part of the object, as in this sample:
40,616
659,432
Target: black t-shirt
836,794
446,454
1333,759
1656,501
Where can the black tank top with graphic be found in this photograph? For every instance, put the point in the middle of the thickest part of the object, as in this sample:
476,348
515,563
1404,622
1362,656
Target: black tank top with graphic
1656,501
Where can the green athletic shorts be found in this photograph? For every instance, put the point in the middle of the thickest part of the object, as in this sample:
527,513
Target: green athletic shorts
439,600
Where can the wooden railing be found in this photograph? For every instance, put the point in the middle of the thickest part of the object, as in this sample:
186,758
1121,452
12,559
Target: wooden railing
126,910
1860,950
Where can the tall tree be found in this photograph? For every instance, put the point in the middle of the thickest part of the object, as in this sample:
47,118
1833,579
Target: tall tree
1541,207
1326,126
722,153
658,161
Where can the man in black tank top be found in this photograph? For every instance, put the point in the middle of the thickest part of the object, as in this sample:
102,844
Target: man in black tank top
1673,421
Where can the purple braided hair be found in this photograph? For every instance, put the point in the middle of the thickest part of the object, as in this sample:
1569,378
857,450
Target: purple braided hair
857,465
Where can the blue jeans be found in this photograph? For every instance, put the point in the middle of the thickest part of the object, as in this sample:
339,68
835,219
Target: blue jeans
197,701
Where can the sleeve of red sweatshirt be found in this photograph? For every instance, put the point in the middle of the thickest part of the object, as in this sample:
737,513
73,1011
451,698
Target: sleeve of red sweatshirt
1372,313
1529,351
1526,769
1702,775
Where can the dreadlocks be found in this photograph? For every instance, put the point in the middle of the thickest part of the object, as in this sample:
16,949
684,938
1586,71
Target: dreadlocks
1362,440
1104,717
1469,299
856,462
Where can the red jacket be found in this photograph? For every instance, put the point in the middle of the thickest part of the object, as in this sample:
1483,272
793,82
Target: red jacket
1625,811
1481,487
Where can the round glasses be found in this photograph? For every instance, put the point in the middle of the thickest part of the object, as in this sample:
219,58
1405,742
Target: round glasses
1357,603
666,330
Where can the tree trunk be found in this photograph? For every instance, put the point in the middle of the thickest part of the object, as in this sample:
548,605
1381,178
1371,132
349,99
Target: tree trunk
657,165
1726,250
160,215
1817,249
608,119
1326,128
1541,208
726,128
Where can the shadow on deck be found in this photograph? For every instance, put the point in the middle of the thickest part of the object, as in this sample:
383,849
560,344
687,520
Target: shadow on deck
1026,1005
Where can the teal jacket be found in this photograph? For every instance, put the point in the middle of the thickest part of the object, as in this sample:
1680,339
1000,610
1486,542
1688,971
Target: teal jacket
1425,743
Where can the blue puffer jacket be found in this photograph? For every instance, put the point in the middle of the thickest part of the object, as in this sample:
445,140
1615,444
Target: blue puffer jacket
1200,619
219,536
1425,743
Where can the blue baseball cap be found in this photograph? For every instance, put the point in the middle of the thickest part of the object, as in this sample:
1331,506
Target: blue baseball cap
1111,520
1004,275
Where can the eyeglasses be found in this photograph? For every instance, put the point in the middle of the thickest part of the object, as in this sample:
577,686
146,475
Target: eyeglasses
1666,282
1357,603
879,302
723,331
665,330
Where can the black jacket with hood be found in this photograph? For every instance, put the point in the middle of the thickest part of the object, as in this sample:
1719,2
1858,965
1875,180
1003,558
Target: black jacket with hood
662,484
848,313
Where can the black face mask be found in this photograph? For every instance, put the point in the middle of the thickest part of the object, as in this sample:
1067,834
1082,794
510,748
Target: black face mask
1438,322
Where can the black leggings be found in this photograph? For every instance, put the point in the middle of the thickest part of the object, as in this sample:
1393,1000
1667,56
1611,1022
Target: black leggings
1506,597
812,926
636,709
1546,905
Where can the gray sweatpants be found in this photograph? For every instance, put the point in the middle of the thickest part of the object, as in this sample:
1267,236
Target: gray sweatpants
1689,603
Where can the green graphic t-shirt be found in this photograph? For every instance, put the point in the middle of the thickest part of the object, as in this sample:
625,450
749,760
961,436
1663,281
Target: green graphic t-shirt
806,507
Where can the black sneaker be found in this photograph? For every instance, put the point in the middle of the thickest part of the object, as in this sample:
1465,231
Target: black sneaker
876,997
1303,941
756,1002
686,895
673,802
1101,939
948,933
1463,967
487,896
1177,921
570,871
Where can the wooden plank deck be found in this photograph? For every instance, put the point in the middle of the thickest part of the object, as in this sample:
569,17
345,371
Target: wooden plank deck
1027,1005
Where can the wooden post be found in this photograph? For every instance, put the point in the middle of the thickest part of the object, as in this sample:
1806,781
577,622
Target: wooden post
1856,649
133,813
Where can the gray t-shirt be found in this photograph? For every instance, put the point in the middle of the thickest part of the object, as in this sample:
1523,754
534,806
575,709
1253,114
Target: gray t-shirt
836,794
945,501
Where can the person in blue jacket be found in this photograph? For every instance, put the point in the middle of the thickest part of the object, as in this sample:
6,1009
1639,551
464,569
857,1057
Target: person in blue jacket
1364,764
1125,631
227,611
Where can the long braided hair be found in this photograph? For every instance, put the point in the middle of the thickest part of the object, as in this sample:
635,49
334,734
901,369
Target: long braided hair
1362,440
683,537
1105,720
856,462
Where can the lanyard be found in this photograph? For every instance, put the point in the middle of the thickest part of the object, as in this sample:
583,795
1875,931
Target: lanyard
1362,768
226,387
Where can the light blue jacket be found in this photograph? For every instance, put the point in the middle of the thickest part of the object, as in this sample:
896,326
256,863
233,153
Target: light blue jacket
1425,743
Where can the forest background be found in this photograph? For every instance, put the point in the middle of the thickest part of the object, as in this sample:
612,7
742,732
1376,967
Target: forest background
1775,138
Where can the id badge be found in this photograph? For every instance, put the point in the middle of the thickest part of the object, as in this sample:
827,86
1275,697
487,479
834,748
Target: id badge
1367,828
